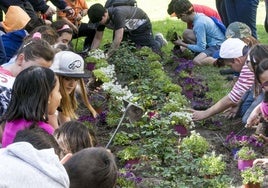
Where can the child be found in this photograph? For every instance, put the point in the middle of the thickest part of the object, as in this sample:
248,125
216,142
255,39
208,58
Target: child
92,166
23,166
80,29
35,95
64,31
207,38
69,67
38,138
74,136
33,52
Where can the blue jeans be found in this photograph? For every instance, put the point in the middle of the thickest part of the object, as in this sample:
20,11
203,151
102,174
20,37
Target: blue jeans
242,11
249,103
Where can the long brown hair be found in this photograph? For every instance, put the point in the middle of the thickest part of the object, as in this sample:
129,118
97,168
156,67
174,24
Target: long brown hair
69,102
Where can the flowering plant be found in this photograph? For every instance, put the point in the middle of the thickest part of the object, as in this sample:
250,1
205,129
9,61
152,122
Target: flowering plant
238,141
126,178
246,153
182,118
97,53
252,175
212,164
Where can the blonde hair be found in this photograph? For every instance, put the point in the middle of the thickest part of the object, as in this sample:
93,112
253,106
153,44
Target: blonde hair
69,103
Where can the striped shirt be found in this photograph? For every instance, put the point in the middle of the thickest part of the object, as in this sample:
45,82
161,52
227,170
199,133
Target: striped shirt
245,82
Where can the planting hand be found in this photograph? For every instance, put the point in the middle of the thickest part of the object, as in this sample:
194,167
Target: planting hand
264,138
179,42
231,112
254,117
199,115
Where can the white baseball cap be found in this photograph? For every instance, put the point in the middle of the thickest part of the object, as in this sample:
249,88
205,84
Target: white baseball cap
232,48
69,64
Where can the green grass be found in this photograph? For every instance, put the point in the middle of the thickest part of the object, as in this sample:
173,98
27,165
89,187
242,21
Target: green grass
218,86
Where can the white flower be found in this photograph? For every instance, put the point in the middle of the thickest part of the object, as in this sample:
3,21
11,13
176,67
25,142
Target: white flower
184,118
97,53
108,71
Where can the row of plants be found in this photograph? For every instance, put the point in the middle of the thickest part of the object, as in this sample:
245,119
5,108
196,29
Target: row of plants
138,76
154,146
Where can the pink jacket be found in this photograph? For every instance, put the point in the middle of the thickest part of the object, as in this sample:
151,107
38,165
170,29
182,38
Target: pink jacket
264,109
12,127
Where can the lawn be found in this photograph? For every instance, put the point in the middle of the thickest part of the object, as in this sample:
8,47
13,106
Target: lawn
157,11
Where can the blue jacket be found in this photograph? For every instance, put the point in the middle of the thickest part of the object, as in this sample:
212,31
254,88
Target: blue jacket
207,33
3,58
12,42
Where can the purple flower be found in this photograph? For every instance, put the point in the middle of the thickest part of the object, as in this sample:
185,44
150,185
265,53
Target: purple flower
242,140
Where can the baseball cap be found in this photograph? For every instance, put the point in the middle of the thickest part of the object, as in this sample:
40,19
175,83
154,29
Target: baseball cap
182,7
238,30
95,13
69,64
231,48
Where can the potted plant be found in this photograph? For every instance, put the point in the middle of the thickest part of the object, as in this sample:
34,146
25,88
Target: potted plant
195,143
211,165
252,177
246,156
182,122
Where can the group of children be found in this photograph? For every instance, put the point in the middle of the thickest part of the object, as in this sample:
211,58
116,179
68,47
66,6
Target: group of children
35,100
40,80
41,76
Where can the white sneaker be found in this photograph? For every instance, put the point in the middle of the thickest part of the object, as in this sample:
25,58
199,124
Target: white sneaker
161,39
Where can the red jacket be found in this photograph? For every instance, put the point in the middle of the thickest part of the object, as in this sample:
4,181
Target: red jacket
205,10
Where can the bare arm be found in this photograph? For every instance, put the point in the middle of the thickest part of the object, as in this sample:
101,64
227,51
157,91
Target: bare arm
118,36
254,117
62,118
220,106
97,40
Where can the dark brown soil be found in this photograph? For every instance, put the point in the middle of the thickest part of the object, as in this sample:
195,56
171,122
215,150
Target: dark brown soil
213,133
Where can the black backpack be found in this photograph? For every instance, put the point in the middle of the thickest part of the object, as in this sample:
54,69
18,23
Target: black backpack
115,3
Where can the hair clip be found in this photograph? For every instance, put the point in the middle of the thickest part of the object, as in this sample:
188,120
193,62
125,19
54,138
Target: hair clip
65,26
37,35
28,43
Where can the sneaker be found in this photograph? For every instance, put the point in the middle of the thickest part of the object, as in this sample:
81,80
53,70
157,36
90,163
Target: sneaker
227,71
161,39
229,78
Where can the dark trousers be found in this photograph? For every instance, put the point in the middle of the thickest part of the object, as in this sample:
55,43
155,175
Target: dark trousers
143,36
220,5
266,16
243,11
85,31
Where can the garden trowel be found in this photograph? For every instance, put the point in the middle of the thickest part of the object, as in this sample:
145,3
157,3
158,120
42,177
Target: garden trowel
132,111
